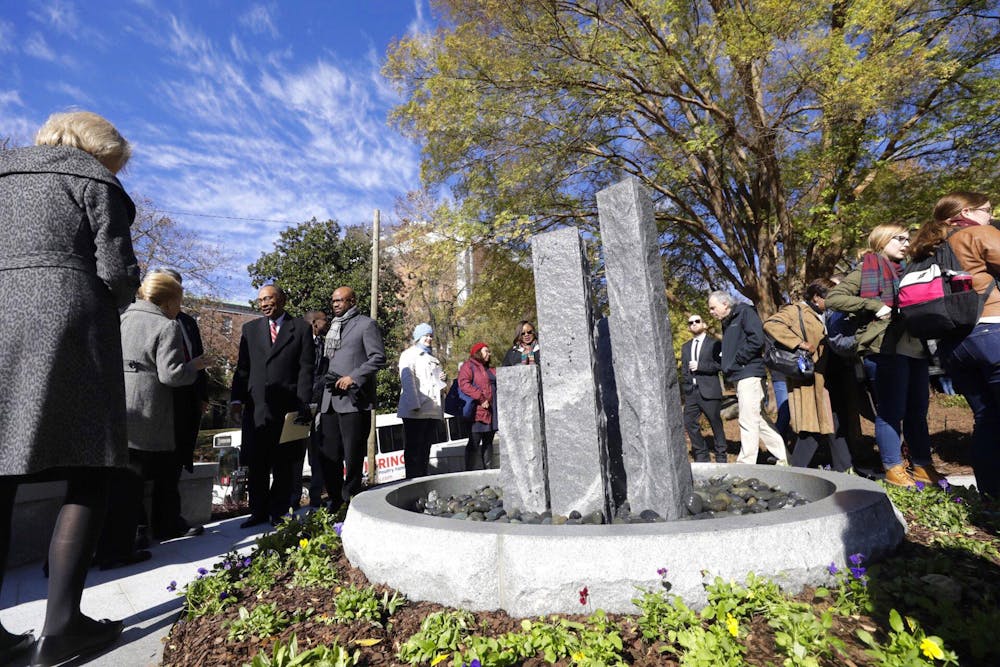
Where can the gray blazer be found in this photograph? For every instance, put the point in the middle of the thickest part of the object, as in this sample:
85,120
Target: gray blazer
153,361
360,356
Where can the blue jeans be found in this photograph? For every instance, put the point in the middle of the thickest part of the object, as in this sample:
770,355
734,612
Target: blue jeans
974,366
784,417
902,392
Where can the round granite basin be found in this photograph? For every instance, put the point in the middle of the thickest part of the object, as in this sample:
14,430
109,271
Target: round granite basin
528,570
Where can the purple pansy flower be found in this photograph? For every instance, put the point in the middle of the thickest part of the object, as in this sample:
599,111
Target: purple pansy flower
832,568
858,572
172,586
338,527
856,559
662,571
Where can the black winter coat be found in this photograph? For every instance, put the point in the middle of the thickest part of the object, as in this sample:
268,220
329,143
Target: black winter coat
742,344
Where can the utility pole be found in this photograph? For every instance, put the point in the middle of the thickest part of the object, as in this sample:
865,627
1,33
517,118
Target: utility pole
372,468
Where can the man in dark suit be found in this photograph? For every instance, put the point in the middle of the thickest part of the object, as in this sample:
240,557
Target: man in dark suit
700,366
273,377
353,354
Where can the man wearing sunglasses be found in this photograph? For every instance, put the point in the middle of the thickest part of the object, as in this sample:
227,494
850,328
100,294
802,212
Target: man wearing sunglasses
702,390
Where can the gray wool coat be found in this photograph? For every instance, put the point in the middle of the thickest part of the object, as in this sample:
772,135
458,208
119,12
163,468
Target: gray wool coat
66,267
153,361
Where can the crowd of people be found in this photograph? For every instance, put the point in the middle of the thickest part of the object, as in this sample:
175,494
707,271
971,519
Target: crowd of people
853,337
110,393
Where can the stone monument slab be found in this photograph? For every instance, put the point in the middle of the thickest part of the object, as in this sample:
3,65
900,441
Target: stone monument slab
522,465
654,451
573,418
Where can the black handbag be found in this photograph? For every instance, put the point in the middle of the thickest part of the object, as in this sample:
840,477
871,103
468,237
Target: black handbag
794,364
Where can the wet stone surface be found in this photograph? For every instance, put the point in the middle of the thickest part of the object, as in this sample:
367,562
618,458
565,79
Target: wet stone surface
715,497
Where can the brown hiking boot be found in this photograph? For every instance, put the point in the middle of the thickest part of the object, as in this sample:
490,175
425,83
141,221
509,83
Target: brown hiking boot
897,476
926,474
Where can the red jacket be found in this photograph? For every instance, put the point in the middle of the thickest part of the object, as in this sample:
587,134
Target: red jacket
474,379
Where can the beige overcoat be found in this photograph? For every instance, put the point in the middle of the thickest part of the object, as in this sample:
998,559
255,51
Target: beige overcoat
808,403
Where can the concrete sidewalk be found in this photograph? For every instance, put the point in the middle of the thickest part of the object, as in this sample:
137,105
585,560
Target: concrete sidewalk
136,593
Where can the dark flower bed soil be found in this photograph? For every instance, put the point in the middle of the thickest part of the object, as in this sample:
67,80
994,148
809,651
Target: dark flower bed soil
203,641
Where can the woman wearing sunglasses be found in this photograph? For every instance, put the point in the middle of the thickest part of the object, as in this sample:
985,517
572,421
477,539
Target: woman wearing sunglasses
899,361
525,347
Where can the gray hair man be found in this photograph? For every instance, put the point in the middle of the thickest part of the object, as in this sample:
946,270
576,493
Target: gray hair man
743,365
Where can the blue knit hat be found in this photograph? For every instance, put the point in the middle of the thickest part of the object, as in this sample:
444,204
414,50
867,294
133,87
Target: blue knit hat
421,330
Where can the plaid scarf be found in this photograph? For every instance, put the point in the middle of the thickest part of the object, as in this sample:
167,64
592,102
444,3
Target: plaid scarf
879,278
332,343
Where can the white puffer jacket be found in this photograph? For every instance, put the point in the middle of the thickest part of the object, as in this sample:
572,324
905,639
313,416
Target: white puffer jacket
420,377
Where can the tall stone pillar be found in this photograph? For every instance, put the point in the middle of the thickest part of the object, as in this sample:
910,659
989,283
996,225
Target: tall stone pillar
654,451
522,462
573,418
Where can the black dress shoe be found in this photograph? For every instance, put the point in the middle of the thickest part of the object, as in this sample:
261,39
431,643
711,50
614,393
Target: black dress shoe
18,645
194,531
137,556
255,521
53,650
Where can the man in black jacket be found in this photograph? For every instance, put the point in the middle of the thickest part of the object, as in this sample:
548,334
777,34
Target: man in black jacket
273,377
743,365
700,366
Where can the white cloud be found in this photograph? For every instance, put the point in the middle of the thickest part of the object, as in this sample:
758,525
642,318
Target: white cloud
6,37
75,94
60,16
36,46
258,20
419,25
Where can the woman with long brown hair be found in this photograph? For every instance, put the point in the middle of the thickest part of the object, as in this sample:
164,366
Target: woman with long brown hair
962,220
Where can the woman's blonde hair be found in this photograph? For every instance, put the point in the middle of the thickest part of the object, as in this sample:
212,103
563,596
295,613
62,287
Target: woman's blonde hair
881,235
88,132
159,288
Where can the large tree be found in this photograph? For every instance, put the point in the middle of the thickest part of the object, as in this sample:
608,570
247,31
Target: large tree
771,133
314,258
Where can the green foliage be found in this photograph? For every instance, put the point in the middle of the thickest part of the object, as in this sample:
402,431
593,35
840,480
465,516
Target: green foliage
207,596
851,588
933,507
287,654
728,597
364,604
907,646
312,259
804,638
663,615
312,562
265,620
440,632
713,646
772,134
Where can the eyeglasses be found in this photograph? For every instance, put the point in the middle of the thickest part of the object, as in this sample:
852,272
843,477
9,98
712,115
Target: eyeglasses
902,238
527,333
986,208
697,321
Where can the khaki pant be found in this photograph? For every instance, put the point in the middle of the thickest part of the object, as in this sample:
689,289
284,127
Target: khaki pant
754,428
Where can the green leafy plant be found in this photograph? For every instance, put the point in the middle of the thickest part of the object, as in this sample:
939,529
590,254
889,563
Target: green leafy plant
714,646
663,615
804,638
286,654
851,595
353,604
208,595
907,646
263,621
441,632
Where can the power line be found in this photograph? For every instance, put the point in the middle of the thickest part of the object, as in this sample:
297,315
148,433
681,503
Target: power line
226,217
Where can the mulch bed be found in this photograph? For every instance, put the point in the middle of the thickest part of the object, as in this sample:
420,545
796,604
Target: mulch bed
203,641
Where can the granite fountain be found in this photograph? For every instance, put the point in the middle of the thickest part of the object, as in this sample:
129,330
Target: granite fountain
597,424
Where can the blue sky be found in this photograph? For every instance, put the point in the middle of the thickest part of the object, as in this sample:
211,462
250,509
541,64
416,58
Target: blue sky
273,111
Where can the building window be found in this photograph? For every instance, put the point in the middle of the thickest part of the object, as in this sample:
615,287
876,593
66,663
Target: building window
227,326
